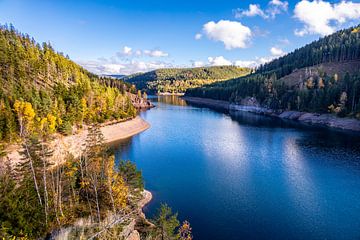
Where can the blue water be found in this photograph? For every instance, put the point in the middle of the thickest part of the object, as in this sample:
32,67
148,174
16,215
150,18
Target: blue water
244,176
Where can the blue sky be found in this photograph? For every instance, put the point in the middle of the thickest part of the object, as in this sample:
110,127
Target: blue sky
128,36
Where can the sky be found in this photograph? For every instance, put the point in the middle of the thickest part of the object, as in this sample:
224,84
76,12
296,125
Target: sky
129,36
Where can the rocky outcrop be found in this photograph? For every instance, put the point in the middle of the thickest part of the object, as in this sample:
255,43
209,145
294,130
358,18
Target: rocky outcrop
139,102
134,235
87,229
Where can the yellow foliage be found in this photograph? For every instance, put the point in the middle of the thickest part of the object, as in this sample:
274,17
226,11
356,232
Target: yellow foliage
51,119
120,191
26,115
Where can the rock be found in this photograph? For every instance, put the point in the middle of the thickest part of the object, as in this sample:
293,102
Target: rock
250,101
134,235
128,229
292,115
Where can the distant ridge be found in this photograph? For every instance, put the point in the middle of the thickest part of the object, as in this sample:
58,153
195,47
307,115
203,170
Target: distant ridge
178,80
321,77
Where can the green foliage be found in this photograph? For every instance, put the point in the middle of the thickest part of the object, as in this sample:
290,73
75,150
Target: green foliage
166,223
177,80
37,198
131,175
53,85
320,92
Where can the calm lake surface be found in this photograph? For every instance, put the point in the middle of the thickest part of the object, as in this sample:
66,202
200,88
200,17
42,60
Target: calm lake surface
244,176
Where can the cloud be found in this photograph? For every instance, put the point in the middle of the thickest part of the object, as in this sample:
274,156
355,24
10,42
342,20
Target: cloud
254,10
233,34
198,64
277,52
219,61
127,51
222,61
198,36
274,8
106,66
248,64
321,17
155,53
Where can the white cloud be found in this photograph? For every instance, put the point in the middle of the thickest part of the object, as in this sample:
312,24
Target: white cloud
198,36
274,8
219,61
233,34
105,66
321,17
198,63
155,53
277,52
248,64
254,10
127,51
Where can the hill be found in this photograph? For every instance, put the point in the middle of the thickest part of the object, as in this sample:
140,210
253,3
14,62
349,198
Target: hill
178,80
322,76
40,87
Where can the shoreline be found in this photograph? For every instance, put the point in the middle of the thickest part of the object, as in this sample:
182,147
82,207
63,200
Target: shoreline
73,144
123,130
315,119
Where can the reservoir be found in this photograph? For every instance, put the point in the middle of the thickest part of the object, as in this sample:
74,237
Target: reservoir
243,176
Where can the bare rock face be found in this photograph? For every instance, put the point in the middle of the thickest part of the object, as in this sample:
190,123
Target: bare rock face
134,235
139,102
250,101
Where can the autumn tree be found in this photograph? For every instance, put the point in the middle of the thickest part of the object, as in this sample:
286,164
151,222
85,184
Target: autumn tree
185,231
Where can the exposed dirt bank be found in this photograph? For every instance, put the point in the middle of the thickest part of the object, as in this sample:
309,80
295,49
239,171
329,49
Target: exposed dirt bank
74,144
327,120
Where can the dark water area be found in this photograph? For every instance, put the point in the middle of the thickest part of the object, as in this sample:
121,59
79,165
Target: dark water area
244,176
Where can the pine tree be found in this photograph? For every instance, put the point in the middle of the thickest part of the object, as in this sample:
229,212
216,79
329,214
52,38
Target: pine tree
166,223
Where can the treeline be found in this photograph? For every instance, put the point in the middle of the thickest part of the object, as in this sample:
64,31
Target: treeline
178,80
38,198
54,87
314,91
341,46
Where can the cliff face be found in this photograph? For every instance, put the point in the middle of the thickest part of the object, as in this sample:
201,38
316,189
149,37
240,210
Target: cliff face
122,226
140,103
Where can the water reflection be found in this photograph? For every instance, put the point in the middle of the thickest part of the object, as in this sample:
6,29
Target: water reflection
245,176
169,99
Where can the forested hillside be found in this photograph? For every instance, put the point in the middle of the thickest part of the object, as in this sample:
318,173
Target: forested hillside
42,92
40,88
322,76
177,80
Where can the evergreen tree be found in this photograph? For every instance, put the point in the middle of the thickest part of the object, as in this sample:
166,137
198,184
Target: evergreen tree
166,223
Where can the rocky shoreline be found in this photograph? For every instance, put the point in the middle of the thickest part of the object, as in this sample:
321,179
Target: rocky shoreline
325,120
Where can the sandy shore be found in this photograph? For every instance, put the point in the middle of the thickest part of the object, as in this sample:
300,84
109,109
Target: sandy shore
124,130
74,144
